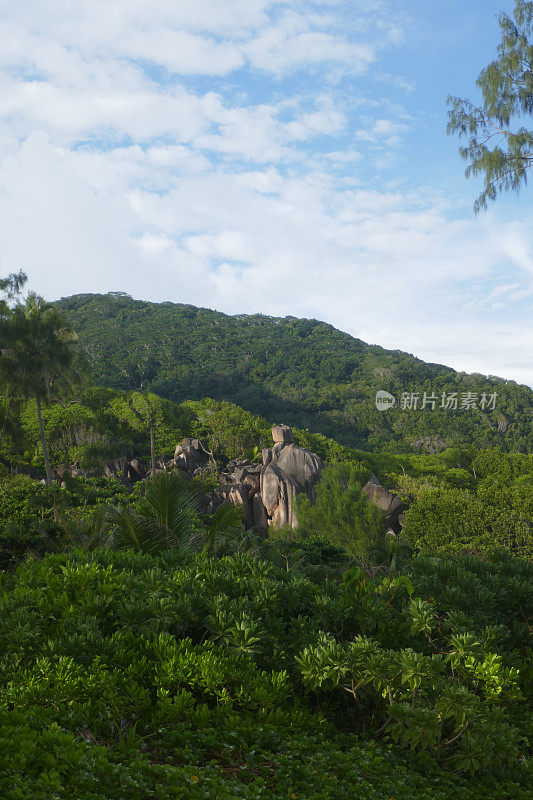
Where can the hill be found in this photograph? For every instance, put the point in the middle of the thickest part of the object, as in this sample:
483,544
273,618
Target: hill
304,372
149,650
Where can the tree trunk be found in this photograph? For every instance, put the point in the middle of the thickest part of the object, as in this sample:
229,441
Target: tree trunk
44,445
152,447
6,415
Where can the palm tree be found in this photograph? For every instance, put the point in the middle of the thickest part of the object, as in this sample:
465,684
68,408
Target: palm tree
167,517
40,356
10,288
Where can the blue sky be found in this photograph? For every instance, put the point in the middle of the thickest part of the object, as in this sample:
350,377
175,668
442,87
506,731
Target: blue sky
265,156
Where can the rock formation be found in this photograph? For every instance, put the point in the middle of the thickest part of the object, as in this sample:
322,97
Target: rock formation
387,501
282,433
190,454
265,492
278,490
288,470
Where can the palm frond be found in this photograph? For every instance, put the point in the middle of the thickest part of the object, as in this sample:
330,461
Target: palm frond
130,529
86,531
225,531
172,503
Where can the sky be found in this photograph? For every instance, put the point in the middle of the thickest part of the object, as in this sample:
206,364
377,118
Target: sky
261,156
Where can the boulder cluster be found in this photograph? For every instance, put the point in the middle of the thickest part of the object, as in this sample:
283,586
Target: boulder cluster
190,457
265,491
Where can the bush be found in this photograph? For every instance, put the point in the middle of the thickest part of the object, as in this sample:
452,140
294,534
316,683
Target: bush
340,513
454,521
132,676
28,524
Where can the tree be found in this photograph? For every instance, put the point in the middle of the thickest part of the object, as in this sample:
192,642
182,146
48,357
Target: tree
142,411
341,513
502,155
40,356
10,288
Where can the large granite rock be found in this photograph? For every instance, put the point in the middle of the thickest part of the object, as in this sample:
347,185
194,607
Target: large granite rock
272,453
385,500
278,491
288,470
190,455
282,433
260,514
237,493
116,468
136,470
304,467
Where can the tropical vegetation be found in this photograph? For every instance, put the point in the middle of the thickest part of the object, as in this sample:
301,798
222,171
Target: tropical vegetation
151,651
301,371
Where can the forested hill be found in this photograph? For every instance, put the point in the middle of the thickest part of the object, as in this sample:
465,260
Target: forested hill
299,371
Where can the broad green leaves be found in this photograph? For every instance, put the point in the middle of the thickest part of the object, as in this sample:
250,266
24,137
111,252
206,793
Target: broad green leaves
121,671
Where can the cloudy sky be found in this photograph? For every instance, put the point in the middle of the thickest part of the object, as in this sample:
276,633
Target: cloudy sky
264,156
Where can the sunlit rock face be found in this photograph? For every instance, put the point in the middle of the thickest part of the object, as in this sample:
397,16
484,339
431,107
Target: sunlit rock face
288,470
386,501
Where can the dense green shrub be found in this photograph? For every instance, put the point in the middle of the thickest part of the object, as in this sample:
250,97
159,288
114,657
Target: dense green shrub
456,521
340,512
129,676
33,517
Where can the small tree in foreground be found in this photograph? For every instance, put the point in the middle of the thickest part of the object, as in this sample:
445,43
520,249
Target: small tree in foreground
341,513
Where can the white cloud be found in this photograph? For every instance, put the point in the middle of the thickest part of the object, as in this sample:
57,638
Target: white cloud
55,227
290,44
386,132
182,52
343,156
204,38
222,153
390,269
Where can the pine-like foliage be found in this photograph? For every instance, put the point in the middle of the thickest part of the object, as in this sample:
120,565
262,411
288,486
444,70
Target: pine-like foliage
503,156
341,513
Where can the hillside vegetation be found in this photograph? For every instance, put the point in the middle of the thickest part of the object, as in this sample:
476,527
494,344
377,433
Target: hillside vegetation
156,648
460,501
302,371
